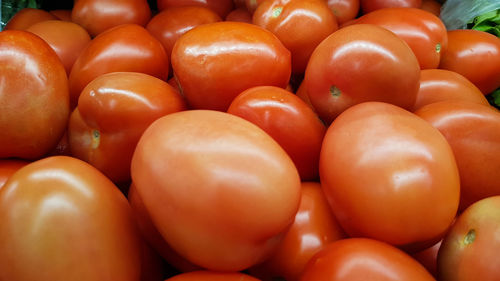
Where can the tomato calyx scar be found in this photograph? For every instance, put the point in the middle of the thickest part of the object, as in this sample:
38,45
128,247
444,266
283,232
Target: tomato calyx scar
334,91
277,11
96,139
469,237
438,48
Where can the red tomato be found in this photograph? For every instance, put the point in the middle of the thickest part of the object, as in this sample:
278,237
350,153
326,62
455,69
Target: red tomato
302,94
422,31
27,17
113,111
314,227
389,175
8,167
215,62
288,120
428,258
63,219
64,15
239,15
361,63
231,190
431,6
344,10
67,39
360,259
127,47
33,96
439,85
221,7
476,55
473,132
212,276
151,264
97,16
470,250
372,5
252,5
300,25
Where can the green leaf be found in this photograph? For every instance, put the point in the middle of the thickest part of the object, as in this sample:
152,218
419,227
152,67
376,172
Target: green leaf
487,22
494,98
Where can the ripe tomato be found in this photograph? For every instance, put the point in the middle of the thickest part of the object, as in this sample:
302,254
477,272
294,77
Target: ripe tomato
424,32
212,276
215,62
361,63
313,228
8,167
344,10
360,259
473,132
97,16
252,5
228,188
440,84
240,15
27,17
288,120
431,6
151,264
64,15
299,24
470,249
128,47
33,96
67,39
428,258
221,7
63,219
409,190
368,6
476,55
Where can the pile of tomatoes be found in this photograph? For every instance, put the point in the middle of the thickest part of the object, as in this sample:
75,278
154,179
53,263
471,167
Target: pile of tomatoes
248,140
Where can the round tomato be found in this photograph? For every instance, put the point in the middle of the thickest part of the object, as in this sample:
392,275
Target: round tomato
240,15
27,17
428,258
470,249
33,96
368,6
62,219
8,167
67,39
389,175
228,188
299,24
212,276
252,5
360,259
440,84
221,7
287,119
473,132
215,62
128,47
97,16
359,63
344,10
476,55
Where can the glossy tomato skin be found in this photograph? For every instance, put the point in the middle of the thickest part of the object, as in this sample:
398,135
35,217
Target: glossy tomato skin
112,113
424,32
470,249
440,84
300,24
287,119
344,10
97,16
368,6
64,220
33,97
27,17
128,47
476,55
8,167
247,188
213,63
385,70
221,7
212,276
473,132
67,39
313,229
409,192
356,259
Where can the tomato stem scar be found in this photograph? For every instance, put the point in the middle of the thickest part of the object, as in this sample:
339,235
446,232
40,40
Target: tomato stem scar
277,11
470,237
438,47
335,91
96,139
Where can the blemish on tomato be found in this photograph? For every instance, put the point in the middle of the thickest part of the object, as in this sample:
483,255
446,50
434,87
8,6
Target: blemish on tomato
96,139
334,91
470,237
438,48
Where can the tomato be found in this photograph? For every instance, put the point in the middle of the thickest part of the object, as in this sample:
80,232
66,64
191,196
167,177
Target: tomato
476,55
112,113
356,259
313,228
344,10
431,6
439,85
252,5
473,132
67,39
212,276
428,258
151,264
287,119
221,7
27,17
97,16
424,32
409,190
385,69
63,219
33,96
215,62
127,47
8,167
470,250
368,6
302,94
300,25
64,15
228,188
240,15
